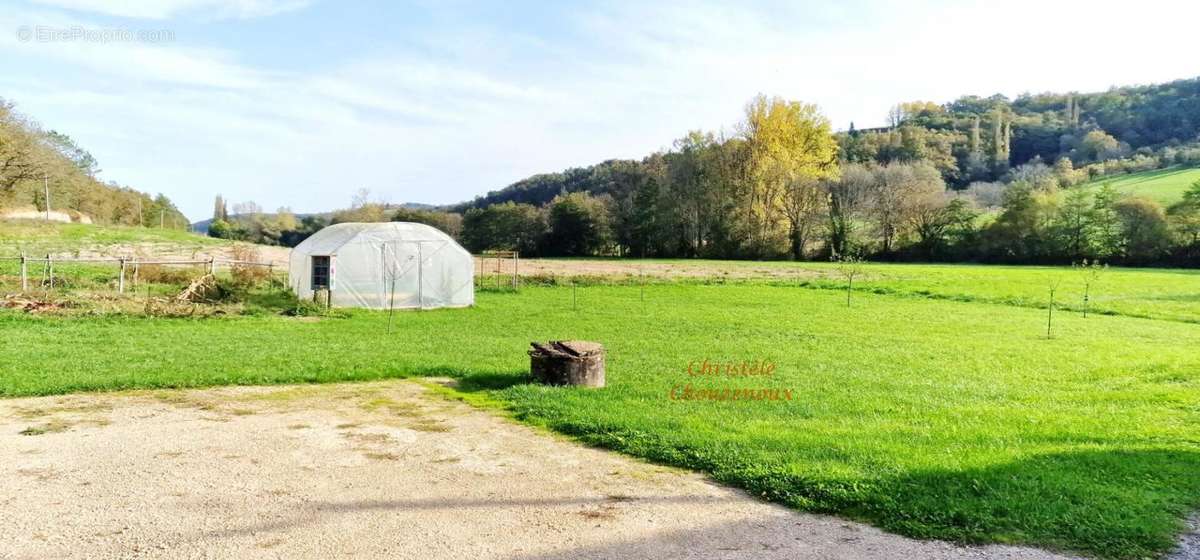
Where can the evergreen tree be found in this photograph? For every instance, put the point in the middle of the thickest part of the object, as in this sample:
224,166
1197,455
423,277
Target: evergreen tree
220,210
975,144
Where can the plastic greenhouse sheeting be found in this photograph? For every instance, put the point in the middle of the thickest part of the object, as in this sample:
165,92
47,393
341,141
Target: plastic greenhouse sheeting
386,265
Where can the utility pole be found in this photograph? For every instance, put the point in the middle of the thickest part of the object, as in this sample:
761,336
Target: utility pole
46,186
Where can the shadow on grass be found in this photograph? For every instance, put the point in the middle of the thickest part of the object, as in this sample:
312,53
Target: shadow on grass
477,382
1108,504
1147,176
1113,503
1116,503
467,381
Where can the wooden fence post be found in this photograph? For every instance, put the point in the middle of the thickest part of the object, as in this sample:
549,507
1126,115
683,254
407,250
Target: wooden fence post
514,271
212,266
24,274
50,270
136,269
121,278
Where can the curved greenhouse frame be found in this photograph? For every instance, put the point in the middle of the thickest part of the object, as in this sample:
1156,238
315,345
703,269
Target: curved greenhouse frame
390,265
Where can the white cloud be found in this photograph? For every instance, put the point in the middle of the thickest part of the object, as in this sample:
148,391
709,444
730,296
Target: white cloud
471,108
133,62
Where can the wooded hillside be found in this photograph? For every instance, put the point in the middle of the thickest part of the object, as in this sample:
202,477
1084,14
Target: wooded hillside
32,159
976,179
983,179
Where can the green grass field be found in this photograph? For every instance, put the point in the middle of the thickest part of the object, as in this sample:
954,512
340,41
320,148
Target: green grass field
1150,293
37,238
932,417
1164,185
1172,294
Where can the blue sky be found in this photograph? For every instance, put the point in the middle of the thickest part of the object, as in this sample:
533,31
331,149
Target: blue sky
300,103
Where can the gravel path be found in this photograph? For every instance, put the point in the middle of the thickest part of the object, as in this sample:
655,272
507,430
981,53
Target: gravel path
1189,544
370,470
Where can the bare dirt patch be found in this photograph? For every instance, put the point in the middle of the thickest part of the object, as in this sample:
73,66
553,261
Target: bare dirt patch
167,251
372,470
714,270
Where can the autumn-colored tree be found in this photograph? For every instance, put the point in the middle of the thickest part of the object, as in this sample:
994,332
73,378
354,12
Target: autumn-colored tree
790,146
1098,145
901,195
848,197
804,205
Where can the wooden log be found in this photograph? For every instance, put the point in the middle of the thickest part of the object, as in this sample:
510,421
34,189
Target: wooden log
567,362
199,290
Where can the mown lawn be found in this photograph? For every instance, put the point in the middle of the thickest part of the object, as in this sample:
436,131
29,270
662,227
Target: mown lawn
1172,294
1164,185
928,417
1137,292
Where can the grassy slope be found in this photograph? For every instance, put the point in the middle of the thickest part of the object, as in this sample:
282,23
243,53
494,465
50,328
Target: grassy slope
36,237
931,418
1164,185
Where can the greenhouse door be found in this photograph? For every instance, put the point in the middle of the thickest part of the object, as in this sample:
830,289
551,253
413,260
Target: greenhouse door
414,275
400,285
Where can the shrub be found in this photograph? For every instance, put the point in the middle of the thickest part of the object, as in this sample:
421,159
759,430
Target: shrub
986,195
248,274
1144,228
168,274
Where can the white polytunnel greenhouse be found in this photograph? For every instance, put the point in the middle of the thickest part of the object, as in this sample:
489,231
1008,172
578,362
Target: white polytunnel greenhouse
390,265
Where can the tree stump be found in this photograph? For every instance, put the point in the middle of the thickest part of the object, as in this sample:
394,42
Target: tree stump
567,362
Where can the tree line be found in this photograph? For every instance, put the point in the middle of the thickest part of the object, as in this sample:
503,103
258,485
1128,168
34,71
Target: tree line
34,160
246,221
977,179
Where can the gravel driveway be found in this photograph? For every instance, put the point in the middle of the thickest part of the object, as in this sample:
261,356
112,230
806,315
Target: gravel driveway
370,470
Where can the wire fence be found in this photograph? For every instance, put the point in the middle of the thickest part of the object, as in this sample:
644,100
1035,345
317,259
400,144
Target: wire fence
23,274
498,271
